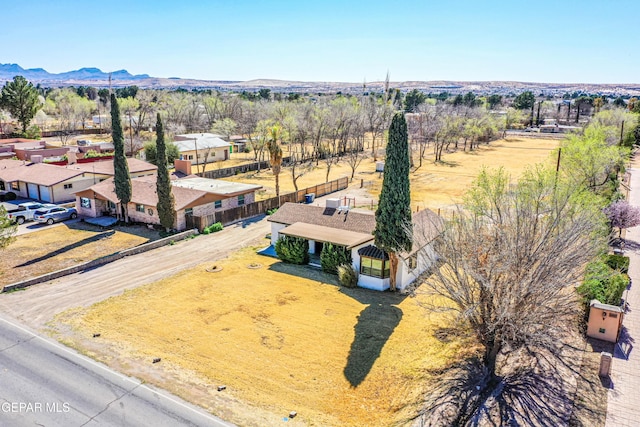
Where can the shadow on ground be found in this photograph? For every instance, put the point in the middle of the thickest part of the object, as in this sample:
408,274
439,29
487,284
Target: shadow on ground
376,322
67,248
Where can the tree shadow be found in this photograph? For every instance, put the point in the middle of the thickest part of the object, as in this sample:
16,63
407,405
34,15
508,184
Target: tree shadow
533,392
376,322
67,248
375,325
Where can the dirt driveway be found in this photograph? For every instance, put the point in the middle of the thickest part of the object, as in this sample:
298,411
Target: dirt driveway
38,304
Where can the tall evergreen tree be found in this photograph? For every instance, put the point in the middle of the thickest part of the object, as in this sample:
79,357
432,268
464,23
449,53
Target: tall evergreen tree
122,179
20,99
393,217
166,202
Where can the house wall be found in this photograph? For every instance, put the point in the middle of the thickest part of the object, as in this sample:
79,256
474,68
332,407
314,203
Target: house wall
180,223
405,276
144,217
79,183
215,155
611,325
275,229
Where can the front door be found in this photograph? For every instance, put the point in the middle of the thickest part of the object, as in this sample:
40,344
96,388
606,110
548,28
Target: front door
318,248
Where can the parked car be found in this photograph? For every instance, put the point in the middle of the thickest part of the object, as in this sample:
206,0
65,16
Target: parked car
25,211
50,215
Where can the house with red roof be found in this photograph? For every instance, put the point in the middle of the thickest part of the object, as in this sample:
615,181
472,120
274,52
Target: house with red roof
193,196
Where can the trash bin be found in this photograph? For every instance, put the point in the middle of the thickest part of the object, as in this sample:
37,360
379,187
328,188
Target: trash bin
308,198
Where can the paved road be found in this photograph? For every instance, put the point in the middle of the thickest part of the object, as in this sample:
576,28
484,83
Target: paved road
43,383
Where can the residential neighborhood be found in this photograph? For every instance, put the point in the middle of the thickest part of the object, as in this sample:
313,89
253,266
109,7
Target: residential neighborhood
319,214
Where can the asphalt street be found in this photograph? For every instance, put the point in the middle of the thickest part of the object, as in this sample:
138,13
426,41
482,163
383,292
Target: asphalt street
43,383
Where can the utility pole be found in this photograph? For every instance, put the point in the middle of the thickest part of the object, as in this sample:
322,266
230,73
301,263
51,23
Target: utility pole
621,132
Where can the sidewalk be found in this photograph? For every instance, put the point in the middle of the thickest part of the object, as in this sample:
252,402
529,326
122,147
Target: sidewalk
623,407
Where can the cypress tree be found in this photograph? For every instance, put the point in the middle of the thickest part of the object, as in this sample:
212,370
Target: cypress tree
393,216
121,179
166,202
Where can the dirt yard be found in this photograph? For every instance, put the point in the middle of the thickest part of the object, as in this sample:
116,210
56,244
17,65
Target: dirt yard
432,185
58,247
280,337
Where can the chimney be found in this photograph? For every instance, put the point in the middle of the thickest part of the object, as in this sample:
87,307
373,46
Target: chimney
72,158
183,166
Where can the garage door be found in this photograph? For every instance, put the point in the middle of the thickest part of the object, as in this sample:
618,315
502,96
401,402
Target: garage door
33,191
45,196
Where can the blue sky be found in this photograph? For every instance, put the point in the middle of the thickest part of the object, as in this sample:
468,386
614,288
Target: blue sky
537,41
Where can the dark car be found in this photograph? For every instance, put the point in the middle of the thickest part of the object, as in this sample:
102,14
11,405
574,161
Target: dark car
54,214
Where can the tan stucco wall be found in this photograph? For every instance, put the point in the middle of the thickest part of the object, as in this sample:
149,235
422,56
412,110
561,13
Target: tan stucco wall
60,194
610,324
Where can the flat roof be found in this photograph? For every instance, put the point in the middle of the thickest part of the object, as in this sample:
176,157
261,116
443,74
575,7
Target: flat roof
216,186
320,233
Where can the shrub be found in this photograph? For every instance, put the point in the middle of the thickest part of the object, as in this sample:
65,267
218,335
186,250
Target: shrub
332,256
603,283
618,262
347,276
293,250
213,228
271,211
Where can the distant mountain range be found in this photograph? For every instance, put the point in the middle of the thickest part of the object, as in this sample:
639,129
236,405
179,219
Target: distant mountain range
8,71
98,78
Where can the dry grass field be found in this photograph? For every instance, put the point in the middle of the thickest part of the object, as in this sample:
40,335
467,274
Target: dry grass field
432,185
54,248
284,337
280,337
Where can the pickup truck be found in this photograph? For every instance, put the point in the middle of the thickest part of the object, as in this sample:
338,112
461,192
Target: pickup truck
25,211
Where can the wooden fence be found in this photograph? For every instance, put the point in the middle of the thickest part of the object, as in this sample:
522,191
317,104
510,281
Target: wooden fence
230,216
234,170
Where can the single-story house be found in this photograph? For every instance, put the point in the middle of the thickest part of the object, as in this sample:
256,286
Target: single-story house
193,196
58,184
40,181
104,169
353,230
202,148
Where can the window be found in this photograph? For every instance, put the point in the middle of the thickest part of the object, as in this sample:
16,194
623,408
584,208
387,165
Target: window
67,186
241,200
15,185
188,211
614,315
413,262
111,205
1,185
218,204
374,267
85,202
139,208
602,330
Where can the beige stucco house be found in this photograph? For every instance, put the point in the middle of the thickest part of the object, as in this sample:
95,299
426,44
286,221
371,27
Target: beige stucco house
201,148
58,184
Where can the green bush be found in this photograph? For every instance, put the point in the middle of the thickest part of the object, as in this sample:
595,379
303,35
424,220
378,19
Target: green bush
603,283
293,250
332,256
271,211
618,262
215,227
347,276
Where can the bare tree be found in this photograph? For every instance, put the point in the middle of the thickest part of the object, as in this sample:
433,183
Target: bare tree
508,266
